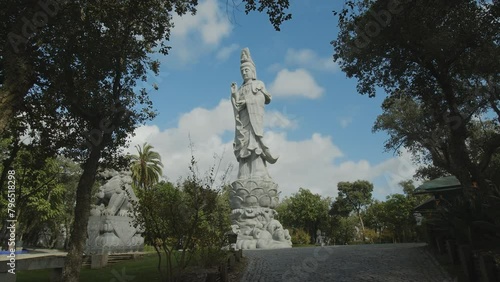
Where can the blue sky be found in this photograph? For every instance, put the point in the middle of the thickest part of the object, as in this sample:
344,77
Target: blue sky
317,122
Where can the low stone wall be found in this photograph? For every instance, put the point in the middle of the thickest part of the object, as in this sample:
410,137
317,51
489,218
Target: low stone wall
56,263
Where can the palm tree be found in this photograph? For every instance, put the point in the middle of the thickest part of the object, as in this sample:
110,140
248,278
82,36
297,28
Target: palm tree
146,167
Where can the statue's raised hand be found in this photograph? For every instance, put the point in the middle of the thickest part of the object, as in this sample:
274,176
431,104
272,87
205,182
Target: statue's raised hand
234,88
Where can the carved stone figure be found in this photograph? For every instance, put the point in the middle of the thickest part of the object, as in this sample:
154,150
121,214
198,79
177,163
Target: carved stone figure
110,228
254,195
115,194
319,238
248,104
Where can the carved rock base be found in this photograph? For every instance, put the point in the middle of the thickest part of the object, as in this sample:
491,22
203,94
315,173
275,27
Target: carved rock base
252,202
113,234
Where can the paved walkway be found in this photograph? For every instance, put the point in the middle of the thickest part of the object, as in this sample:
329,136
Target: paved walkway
384,262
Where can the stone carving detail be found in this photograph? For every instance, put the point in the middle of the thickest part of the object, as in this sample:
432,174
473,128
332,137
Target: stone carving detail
254,195
110,228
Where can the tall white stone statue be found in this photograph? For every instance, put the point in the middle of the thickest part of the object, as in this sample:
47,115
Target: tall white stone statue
254,195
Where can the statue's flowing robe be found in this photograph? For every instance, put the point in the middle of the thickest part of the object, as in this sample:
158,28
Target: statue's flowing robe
248,105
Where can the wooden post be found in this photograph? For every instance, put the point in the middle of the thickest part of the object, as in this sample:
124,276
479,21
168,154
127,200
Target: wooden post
231,261
440,245
451,246
488,268
223,272
465,254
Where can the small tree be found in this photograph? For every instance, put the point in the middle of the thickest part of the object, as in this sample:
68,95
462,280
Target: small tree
342,229
146,167
304,210
356,195
192,216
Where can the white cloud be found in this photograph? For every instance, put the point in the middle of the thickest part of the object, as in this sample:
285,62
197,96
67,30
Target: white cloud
295,83
314,163
194,35
275,119
395,170
225,52
208,22
345,121
307,58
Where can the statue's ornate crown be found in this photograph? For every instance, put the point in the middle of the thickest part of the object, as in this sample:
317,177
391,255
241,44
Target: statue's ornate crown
246,58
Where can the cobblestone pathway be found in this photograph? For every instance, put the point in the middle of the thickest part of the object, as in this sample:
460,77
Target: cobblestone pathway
384,262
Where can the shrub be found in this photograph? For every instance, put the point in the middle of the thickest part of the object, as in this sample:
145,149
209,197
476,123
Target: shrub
300,237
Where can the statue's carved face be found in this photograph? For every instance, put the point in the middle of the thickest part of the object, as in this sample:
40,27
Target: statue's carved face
247,73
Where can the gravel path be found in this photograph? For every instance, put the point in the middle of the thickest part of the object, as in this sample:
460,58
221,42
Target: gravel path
384,262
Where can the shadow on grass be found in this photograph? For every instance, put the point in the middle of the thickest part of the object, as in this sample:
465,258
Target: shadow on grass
140,269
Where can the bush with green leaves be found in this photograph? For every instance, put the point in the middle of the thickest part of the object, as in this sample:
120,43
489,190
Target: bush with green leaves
191,215
300,236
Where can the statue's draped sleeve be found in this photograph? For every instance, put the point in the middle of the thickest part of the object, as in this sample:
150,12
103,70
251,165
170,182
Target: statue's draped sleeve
258,86
238,138
255,106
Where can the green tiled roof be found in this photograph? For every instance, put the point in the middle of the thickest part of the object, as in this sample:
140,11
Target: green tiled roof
429,204
439,184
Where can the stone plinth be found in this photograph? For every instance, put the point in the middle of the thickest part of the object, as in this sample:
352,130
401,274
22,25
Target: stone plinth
113,234
252,217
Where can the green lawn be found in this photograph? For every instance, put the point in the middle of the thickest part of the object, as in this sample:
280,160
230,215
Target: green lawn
141,269
303,245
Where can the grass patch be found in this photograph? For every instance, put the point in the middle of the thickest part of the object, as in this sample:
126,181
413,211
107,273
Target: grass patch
141,269
302,245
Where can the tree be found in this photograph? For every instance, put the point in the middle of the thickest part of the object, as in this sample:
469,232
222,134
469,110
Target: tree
146,167
38,194
304,210
445,69
375,217
395,214
356,195
399,216
192,216
45,196
26,26
74,73
343,229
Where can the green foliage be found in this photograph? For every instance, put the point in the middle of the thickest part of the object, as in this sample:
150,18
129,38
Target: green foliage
353,196
437,76
376,216
394,216
340,207
300,236
45,195
343,229
399,216
191,216
146,167
356,194
75,79
304,210
274,8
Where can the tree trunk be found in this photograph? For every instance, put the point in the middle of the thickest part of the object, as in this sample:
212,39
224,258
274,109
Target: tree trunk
362,226
73,263
19,79
8,162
